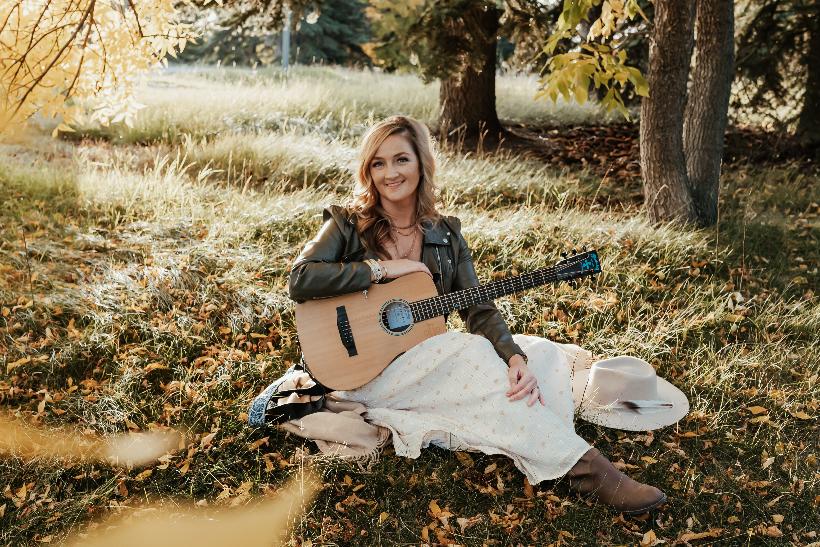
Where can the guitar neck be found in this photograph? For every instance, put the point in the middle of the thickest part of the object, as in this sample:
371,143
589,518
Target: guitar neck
458,300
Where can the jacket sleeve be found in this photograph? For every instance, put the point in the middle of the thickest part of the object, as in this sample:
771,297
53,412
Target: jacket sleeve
484,319
319,272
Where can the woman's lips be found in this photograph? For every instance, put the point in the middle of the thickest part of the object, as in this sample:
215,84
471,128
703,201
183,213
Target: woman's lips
393,184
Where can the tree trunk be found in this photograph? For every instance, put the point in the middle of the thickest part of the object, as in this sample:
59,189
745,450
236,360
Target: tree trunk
707,107
663,164
808,125
467,98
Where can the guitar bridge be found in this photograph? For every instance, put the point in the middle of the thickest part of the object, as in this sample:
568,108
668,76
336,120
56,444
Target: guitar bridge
345,333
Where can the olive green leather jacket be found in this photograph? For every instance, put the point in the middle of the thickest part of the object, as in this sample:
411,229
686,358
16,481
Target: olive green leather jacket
332,264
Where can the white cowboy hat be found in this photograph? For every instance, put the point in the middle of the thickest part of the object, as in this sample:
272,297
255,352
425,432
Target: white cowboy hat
625,393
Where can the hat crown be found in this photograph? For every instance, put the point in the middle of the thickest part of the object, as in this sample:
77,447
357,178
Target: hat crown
621,379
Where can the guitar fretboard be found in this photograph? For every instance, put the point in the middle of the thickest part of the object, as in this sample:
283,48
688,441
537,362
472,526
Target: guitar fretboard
446,303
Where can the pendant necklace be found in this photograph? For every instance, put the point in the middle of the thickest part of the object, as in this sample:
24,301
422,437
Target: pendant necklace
409,250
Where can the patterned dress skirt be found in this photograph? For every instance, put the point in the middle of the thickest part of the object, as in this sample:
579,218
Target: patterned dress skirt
449,391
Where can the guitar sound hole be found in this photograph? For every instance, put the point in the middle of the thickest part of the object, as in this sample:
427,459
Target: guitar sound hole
396,317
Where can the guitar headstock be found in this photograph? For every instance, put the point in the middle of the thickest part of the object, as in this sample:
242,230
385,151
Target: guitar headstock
578,265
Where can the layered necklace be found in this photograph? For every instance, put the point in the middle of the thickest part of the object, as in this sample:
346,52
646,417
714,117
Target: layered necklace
399,230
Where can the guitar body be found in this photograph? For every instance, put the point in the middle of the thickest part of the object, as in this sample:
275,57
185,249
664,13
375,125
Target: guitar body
348,340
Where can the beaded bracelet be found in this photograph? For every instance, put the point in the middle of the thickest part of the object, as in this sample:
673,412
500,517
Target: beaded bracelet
376,272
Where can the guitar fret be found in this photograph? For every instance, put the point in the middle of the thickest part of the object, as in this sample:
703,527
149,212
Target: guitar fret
465,298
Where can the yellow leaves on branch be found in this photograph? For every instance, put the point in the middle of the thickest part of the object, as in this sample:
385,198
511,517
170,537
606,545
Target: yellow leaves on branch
55,53
128,450
262,523
598,60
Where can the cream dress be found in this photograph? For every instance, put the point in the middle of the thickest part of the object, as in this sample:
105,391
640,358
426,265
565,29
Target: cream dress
450,391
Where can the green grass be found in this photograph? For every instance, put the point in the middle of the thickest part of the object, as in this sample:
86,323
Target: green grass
176,251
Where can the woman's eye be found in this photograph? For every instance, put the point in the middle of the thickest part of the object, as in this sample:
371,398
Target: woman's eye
376,164
403,159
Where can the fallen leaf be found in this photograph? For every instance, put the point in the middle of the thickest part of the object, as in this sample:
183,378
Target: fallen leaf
757,409
528,490
649,539
769,461
465,523
773,532
383,517
692,536
465,459
760,419
800,415
435,510
777,519
154,366
649,459
208,439
256,444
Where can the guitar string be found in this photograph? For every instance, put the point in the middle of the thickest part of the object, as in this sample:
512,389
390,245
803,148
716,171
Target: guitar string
438,305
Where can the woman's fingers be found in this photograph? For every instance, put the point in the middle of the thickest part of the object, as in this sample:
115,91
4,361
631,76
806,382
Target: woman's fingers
524,386
512,376
534,396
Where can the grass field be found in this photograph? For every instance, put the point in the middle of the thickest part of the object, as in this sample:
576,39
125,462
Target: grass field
144,286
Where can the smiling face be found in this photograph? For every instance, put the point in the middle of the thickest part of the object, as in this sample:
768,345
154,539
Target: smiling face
396,172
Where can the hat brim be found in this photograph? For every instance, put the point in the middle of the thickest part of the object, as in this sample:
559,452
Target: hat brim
629,420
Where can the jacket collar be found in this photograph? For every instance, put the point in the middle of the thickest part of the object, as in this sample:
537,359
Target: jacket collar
436,234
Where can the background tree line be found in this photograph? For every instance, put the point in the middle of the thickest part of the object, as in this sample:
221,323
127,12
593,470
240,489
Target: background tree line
681,59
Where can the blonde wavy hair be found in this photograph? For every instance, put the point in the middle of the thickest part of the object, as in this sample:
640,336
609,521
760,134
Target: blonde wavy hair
373,225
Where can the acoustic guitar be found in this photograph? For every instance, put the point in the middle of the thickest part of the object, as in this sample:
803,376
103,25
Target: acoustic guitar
348,340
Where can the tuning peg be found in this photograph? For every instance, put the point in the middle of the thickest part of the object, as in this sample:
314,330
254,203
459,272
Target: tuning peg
584,248
564,255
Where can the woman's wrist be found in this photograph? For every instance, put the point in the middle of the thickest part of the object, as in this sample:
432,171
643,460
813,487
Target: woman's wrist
377,271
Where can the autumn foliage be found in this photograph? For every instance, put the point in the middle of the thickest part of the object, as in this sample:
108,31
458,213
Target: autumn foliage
54,53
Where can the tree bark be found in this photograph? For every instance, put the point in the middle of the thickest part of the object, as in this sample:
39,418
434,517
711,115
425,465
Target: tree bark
663,164
808,125
467,98
707,106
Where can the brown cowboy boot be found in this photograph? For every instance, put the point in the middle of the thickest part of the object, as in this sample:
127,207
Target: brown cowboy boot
594,475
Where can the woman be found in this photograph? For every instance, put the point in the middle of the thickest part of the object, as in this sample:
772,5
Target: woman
524,410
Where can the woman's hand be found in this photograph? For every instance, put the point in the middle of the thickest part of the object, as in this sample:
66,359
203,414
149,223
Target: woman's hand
403,266
522,382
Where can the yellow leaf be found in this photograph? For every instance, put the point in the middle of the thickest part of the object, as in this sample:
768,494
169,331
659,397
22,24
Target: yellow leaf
434,508
649,539
760,419
383,517
649,459
777,519
800,415
757,409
